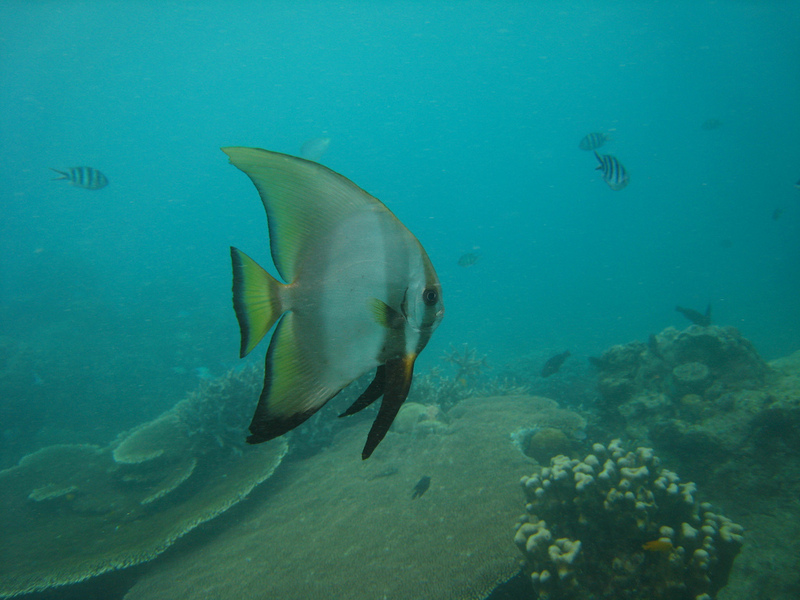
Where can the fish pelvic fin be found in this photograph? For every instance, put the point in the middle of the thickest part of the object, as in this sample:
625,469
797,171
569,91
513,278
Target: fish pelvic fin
374,391
256,300
399,372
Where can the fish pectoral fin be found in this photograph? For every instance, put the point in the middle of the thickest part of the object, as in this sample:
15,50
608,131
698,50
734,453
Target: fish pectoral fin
373,392
385,315
293,388
256,300
399,372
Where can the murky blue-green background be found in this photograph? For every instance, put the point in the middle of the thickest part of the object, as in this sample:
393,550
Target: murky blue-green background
463,117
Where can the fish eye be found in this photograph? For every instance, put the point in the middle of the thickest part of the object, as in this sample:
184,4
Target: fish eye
430,296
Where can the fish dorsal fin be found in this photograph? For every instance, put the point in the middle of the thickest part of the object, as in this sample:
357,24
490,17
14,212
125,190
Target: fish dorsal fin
303,199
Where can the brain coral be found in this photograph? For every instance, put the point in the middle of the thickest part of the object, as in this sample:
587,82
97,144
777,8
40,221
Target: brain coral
616,525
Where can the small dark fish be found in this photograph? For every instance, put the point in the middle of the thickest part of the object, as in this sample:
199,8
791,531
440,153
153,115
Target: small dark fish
84,177
554,363
614,173
592,141
696,317
776,214
468,259
710,124
422,486
797,185
599,363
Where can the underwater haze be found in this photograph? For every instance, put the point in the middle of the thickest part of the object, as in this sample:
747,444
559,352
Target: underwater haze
464,118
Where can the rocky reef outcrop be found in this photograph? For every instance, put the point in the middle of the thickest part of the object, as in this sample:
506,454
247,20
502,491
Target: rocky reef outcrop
722,416
696,395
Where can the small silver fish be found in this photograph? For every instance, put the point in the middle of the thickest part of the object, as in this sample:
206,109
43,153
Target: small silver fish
592,141
84,177
361,293
314,148
468,259
614,173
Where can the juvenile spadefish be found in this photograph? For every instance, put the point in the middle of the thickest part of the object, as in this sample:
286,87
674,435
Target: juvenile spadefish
361,293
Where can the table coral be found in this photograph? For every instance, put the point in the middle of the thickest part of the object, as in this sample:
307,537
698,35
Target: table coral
617,525
70,512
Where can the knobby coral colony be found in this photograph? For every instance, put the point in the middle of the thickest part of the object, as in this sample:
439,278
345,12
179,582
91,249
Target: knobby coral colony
615,525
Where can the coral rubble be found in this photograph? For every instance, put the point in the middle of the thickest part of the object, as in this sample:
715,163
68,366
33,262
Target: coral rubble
617,525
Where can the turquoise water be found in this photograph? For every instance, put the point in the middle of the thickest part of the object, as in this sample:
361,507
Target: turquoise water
463,117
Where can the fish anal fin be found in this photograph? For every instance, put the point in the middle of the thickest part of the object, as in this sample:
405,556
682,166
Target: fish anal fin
256,300
293,388
399,372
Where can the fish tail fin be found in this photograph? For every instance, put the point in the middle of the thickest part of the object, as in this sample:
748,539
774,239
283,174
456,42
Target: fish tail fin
63,175
256,300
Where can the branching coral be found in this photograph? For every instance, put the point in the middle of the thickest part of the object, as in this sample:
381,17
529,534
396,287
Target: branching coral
617,525
469,364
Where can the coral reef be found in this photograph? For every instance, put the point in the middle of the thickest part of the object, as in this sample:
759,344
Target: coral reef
419,419
70,512
724,418
340,527
217,414
552,430
705,399
709,361
469,380
468,363
617,525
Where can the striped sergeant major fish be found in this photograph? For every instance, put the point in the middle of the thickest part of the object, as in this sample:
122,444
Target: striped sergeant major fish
84,177
592,141
614,173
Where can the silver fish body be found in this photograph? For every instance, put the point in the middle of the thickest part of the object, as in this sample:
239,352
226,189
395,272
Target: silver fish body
361,293
614,173
84,177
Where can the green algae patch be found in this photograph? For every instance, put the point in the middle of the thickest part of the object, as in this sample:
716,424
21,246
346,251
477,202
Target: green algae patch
339,527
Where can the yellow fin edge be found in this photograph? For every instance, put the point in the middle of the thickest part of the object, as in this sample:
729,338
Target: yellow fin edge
256,300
